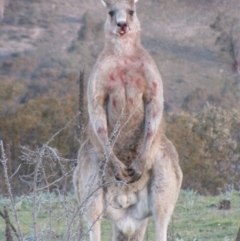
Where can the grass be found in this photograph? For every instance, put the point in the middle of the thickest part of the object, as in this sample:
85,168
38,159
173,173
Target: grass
196,217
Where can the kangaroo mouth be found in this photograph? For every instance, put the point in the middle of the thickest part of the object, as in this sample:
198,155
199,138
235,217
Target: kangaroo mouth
123,30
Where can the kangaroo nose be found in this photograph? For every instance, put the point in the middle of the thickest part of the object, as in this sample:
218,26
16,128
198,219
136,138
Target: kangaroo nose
122,24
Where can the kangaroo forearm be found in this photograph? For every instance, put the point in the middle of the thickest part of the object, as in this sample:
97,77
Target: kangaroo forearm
152,121
100,129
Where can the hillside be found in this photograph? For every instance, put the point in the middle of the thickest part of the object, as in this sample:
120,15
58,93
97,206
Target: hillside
190,41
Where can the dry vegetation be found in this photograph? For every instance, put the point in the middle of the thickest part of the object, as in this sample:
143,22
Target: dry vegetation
44,44
208,144
50,212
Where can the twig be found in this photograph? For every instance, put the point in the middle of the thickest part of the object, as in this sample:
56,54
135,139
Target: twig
11,225
8,233
238,235
49,201
52,183
82,206
81,119
52,138
15,172
9,188
34,197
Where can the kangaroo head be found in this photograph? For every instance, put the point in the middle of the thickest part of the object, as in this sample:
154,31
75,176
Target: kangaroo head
122,18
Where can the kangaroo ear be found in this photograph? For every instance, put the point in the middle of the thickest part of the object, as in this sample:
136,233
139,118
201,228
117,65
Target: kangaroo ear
133,1
105,3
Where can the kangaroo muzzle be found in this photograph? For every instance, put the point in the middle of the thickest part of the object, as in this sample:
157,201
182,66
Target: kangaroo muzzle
123,28
122,23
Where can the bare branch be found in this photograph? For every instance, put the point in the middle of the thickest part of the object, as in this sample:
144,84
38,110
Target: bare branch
9,188
81,120
12,227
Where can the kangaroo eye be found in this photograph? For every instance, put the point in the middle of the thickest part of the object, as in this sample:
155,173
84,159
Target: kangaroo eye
111,13
131,12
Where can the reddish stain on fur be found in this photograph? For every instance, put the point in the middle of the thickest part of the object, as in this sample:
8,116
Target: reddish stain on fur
154,115
109,88
155,85
112,79
101,130
138,83
114,102
154,88
122,75
130,100
149,134
110,33
135,117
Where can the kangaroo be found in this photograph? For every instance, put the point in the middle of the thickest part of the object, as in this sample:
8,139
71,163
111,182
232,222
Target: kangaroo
127,169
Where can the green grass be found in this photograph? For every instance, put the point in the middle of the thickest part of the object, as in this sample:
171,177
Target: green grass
196,218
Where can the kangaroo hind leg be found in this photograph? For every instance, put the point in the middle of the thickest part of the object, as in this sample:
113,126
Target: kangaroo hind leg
165,187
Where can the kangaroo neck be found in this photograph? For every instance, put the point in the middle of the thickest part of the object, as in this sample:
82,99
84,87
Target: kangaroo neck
126,45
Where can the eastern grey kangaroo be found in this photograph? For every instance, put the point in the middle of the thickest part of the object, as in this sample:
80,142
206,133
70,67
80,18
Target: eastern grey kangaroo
127,169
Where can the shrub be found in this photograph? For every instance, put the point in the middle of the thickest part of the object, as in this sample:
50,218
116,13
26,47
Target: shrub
208,144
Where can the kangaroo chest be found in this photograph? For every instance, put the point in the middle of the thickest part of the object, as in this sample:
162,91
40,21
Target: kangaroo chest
125,86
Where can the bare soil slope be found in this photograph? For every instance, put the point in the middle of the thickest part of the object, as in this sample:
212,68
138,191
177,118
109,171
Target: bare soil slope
195,44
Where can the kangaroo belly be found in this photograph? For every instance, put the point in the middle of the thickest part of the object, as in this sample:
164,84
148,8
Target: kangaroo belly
125,126
127,145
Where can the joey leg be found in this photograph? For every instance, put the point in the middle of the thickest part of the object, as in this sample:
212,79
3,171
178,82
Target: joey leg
136,170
